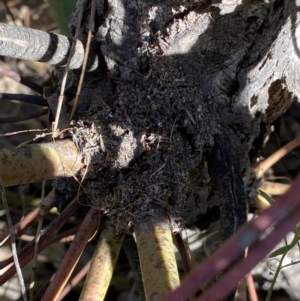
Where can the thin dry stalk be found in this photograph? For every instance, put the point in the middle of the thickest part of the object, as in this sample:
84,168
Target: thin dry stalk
103,264
26,253
263,166
85,60
65,75
24,131
39,162
37,240
258,251
9,12
157,258
29,220
13,242
85,233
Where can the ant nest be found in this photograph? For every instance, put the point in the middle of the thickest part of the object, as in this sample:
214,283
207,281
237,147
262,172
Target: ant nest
140,148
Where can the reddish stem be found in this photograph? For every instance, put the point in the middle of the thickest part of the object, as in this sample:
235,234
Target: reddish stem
29,220
251,288
285,212
26,253
84,234
75,280
263,166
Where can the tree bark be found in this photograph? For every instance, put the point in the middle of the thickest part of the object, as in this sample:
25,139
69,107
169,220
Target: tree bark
182,106
179,74
36,45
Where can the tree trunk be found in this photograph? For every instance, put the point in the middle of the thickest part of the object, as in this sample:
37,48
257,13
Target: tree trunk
183,103
180,103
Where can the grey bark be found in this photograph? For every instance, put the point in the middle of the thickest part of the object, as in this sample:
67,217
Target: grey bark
181,108
191,89
182,73
36,45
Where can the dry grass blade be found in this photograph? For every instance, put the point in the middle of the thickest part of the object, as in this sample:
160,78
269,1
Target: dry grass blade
37,240
86,56
103,264
66,236
24,131
39,162
65,75
13,242
85,233
263,166
29,220
157,258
